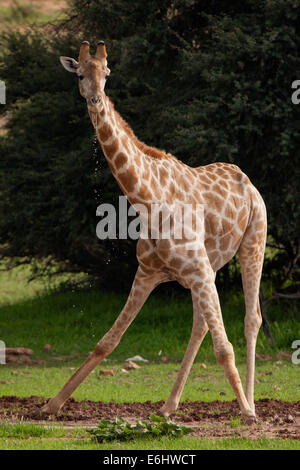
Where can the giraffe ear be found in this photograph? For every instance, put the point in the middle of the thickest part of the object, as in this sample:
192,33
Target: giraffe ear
71,65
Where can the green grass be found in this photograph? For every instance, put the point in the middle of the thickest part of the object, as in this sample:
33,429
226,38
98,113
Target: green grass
32,437
152,382
73,322
154,444
22,430
32,315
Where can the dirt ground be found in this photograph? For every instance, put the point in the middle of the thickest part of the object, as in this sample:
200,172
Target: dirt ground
209,420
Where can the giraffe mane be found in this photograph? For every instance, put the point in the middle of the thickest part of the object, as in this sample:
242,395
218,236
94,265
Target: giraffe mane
146,149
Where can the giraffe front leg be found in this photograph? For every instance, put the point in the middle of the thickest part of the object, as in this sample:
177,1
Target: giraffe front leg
142,286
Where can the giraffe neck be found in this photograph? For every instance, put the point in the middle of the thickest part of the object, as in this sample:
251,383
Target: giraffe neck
126,160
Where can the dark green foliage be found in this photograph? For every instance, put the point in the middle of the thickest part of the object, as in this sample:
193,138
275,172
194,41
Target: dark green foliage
205,80
51,168
121,430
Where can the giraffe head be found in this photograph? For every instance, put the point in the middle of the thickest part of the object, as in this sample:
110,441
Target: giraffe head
92,72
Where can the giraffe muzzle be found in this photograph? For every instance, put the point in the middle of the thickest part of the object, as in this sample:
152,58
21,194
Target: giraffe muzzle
94,100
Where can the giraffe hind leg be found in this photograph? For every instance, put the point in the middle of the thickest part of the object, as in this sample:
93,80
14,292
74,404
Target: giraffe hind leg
199,331
251,256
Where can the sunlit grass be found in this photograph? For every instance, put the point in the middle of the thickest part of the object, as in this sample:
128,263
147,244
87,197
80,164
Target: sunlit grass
153,381
32,437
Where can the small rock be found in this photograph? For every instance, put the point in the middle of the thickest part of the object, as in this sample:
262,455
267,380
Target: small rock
106,372
276,387
124,371
203,366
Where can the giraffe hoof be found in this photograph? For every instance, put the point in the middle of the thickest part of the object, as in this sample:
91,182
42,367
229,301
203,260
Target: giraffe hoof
249,419
50,409
165,412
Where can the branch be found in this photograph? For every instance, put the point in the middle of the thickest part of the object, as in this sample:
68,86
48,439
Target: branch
277,295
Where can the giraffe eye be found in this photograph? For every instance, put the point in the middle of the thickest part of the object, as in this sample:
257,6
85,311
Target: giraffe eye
81,77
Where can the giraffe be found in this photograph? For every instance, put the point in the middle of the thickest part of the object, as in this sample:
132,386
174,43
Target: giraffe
233,220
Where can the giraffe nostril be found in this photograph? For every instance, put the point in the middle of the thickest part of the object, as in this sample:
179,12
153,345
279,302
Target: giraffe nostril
95,99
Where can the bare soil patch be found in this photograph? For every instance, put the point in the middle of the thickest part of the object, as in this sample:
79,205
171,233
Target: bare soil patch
215,419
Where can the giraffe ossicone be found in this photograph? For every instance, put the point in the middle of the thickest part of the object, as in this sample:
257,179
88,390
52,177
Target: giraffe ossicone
233,221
